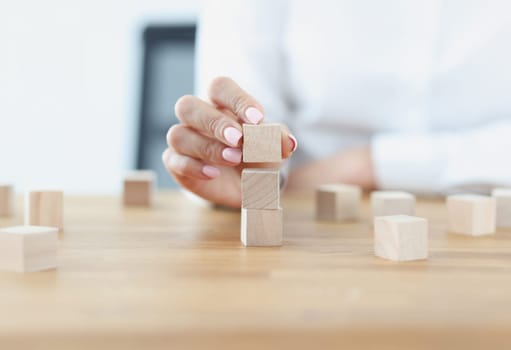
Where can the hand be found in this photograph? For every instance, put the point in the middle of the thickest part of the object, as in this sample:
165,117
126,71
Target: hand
204,154
353,166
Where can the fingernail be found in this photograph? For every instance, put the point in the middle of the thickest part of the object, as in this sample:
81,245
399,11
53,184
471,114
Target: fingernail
295,143
210,171
253,115
232,155
232,135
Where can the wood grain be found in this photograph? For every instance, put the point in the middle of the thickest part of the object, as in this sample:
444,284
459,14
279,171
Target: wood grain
401,237
262,143
177,276
261,227
260,188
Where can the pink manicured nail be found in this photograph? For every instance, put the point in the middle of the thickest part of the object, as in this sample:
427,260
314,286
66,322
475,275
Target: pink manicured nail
210,171
295,143
232,135
253,115
232,155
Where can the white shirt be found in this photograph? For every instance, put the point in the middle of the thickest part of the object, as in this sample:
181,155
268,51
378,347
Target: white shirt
426,83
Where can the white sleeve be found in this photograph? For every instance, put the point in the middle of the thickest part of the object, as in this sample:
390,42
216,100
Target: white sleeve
243,40
470,160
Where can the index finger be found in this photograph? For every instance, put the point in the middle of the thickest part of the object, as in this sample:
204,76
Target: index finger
225,93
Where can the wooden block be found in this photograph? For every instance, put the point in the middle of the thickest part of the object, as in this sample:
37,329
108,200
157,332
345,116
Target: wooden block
471,214
6,200
261,227
503,199
139,188
45,208
337,202
28,248
260,188
262,143
385,203
401,237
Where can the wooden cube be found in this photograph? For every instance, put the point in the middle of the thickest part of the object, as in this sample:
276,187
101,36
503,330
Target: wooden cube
261,227
471,214
337,202
28,248
45,208
385,203
260,188
401,237
139,188
503,199
262,143
6,200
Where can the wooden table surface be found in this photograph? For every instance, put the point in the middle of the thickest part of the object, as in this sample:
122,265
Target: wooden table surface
176,276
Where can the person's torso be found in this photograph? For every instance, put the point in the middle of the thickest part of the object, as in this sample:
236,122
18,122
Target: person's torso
369,66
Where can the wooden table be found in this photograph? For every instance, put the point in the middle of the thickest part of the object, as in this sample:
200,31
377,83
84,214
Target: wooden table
177,276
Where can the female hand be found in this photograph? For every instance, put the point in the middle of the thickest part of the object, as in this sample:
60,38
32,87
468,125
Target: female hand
204,150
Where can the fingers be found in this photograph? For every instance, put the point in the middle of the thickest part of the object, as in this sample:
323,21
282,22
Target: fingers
188,142
225,93
180,165
289,143
206,119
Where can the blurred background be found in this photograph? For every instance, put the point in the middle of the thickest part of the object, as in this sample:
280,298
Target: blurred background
87,89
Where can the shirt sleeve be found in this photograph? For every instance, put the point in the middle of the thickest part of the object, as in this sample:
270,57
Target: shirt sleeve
475,159
243,40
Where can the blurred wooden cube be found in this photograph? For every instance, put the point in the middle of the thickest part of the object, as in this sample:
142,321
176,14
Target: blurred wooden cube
401,237
384,203
503,199
262,143
471,214
337,202
28,248
6,200
45,208
138,188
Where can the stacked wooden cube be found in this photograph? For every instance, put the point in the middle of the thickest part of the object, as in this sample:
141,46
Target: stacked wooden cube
261,214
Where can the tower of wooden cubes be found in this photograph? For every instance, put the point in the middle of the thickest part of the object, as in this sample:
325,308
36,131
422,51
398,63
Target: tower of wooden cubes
261,214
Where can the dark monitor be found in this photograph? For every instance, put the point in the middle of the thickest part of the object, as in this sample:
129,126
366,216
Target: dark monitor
167,74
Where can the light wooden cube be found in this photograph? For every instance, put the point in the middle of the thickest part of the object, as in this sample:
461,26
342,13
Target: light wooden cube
28,248
337,202
262,143
6,200
503,198
471,214
261,227
385,203
139,188
45,208
260,188
401,237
